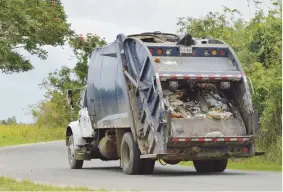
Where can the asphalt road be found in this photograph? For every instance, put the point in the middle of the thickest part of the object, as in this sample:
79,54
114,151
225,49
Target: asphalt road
47,163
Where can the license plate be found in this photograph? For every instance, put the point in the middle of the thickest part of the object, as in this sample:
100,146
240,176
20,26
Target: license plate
186,50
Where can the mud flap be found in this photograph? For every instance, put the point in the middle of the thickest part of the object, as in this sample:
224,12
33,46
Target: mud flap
255,122
259,153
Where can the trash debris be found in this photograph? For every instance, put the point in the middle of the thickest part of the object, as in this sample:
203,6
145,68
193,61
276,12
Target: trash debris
220,115
177,115
200,101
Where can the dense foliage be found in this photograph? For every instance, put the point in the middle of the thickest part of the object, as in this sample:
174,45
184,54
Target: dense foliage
54,111
9,121
29,24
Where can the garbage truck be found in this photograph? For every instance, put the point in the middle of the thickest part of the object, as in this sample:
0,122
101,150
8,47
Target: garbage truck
167,97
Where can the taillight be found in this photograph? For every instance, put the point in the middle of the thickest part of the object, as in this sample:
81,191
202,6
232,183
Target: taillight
159,51
168,51
206,53
151,51
222,52
214,52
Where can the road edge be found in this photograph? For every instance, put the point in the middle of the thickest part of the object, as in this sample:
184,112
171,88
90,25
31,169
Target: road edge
29,144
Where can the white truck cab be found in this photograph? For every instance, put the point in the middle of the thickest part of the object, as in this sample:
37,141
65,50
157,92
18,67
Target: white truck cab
78,131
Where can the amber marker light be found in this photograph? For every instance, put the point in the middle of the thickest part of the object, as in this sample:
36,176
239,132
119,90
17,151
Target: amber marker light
214,52
159,51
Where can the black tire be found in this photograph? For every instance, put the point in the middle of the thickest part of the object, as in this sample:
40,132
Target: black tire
210,166
130,155
203,166
147,166
74,164
220,165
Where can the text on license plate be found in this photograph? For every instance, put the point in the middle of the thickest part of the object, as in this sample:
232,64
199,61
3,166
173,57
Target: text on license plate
186,50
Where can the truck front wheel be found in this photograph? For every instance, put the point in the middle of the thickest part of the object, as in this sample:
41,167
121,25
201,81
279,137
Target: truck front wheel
130,155
74,164
206,166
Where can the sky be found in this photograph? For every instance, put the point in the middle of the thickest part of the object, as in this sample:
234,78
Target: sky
107,18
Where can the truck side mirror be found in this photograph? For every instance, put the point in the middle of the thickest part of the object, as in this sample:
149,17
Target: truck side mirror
70,98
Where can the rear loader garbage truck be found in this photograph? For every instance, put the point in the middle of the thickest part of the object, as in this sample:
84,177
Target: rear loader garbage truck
160,96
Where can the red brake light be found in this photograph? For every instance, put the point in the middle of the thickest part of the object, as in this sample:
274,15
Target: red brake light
222,52
151,51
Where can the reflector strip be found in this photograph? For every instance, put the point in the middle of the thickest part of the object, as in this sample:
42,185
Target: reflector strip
164,77
204,139
157,78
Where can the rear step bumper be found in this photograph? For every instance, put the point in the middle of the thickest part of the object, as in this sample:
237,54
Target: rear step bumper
210,139
199,148
192,157
259,153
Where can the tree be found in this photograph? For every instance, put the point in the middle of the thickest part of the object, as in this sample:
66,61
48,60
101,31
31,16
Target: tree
9,121
83,47
29,24
53,111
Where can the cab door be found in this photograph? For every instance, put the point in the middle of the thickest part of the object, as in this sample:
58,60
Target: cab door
84,120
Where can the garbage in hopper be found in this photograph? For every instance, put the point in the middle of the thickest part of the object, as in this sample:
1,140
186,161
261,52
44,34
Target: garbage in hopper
203,100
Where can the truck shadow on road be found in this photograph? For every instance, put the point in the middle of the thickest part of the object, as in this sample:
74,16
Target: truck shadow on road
165,172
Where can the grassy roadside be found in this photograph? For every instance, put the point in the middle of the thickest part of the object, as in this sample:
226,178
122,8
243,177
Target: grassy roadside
8,184
252,164
22,134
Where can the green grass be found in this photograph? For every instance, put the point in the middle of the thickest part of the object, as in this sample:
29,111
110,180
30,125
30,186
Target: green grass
8,184
22,134
254,164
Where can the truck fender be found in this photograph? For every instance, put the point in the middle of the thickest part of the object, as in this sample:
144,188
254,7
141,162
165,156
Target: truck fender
75,130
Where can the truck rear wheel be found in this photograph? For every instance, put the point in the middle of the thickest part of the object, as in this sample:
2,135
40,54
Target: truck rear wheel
220,165
130,155
74,164
147,166
206,166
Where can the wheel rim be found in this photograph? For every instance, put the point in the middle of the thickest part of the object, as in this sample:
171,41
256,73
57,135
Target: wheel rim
71,150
